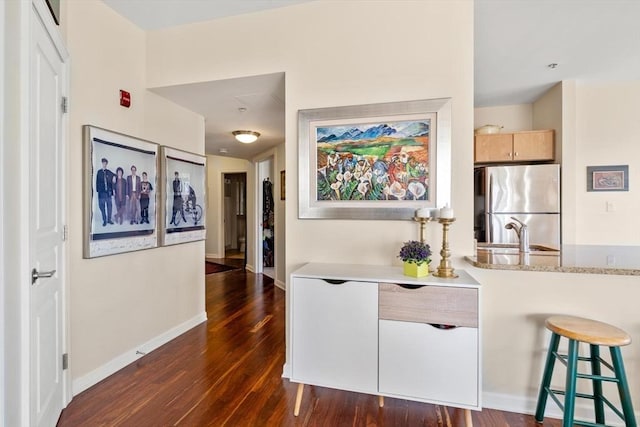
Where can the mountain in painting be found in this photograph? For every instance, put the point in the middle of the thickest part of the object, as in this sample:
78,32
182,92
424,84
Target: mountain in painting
377,131
413,129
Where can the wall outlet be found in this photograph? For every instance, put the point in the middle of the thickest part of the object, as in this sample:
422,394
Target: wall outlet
611,260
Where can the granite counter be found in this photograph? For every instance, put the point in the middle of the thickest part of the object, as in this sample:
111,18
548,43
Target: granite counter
590,259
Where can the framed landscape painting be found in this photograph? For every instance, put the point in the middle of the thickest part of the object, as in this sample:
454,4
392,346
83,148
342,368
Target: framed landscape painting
184,196
120,193
378,161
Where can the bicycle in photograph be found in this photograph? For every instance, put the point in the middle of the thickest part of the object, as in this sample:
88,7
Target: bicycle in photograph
191,213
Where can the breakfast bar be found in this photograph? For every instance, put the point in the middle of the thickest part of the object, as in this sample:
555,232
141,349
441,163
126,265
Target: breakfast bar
589,259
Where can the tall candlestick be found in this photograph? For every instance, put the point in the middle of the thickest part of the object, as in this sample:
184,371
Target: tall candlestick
445,269
423,223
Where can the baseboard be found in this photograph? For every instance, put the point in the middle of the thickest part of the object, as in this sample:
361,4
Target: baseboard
250,268
114,365
217,256
527,405
281,284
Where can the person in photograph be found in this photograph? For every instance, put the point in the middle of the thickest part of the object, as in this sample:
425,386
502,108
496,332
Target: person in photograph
177,199
134,188
104,188
120,194
191,198
145,189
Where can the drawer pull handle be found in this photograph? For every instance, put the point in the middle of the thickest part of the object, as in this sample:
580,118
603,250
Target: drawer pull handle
441,326
410,286
335,282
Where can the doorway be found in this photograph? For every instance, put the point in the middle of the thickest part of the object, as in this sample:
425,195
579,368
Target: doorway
266,217
235,216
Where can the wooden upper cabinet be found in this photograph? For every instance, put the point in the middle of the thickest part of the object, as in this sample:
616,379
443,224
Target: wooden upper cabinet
494,148
535,145
526,146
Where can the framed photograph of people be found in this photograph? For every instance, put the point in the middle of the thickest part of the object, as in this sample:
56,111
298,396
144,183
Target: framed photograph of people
184,196
375,161
120,193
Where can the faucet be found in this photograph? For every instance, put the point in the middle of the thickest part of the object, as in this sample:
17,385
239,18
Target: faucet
522,231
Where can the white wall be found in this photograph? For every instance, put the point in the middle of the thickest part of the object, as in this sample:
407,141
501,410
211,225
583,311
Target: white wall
515,117
217,166
133,301
608,133
547,114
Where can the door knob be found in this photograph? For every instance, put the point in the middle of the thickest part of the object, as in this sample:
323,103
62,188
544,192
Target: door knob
35,275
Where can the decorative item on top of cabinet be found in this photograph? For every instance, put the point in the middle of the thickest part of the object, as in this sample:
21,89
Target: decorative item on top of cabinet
526,146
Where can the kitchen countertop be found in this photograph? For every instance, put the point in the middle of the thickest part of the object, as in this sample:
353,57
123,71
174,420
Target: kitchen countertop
590,259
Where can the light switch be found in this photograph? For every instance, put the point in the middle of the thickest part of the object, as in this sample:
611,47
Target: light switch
610,207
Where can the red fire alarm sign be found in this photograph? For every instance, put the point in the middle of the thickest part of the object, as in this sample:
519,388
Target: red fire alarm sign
125,98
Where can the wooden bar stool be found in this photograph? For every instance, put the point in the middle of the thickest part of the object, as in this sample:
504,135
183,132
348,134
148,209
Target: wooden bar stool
596,334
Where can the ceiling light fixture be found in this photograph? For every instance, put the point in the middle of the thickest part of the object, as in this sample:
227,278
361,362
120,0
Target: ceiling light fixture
246,136
553,65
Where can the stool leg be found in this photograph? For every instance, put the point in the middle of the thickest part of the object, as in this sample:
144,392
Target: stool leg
623,387
546,377
598,404
570,387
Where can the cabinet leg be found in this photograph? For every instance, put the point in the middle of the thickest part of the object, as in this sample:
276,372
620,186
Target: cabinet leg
467,418
296,408
381,401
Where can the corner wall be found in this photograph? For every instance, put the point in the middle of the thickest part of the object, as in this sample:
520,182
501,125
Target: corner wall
138,300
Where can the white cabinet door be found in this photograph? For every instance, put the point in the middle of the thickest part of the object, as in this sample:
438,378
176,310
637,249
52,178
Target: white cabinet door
422,362
335,334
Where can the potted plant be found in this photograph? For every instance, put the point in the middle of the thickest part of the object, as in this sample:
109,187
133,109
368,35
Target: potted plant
416,257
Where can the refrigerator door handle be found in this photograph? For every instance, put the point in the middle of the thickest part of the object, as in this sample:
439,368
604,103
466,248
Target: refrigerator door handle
487,208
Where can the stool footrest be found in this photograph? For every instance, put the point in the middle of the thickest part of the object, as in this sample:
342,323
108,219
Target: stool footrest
554,395
563,359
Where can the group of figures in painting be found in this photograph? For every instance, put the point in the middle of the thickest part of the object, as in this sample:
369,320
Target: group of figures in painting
131,195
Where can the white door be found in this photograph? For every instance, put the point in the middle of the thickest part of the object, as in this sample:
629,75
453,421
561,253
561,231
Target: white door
46,228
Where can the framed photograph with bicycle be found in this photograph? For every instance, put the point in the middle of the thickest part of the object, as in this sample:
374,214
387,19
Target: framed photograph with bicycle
120,188
184,202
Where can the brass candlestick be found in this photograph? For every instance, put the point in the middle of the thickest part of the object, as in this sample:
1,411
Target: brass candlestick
423,225
444,269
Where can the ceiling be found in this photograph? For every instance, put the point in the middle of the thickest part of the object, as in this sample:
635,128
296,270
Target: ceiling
220,102
515,41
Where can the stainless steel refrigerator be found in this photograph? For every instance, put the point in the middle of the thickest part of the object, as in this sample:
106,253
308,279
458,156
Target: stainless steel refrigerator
530,193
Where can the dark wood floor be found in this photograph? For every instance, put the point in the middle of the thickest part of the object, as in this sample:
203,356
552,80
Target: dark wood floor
228,371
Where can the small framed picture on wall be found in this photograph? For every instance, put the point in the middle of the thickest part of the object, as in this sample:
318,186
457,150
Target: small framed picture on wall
184,199
608,178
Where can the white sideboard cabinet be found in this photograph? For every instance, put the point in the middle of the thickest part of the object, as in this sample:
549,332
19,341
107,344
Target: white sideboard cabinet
373,330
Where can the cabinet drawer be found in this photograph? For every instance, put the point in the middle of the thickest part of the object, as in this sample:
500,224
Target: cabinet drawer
421,362
429,304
